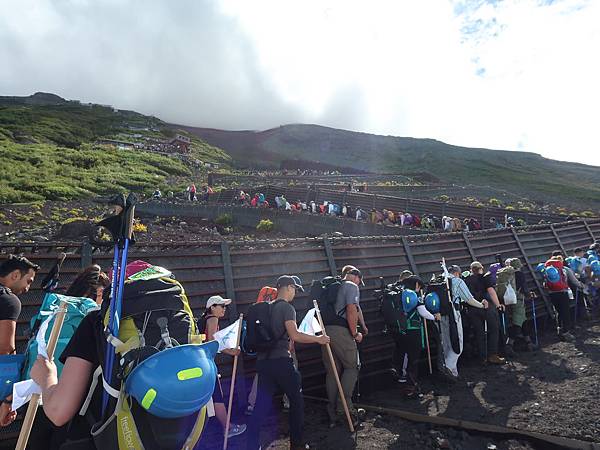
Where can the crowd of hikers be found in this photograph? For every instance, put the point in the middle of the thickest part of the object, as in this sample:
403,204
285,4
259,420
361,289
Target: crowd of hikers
164,384
373,215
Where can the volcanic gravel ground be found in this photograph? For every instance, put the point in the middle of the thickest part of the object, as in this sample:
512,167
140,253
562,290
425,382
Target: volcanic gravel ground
554,390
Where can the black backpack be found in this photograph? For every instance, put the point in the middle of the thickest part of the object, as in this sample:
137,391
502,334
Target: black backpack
325,292
438,285
391,308
258,336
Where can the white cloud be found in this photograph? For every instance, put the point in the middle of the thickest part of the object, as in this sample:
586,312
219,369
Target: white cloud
510,74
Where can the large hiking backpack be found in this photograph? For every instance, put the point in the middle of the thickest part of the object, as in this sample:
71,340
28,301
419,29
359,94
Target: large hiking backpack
258,335
391,308
561,284
77,309
160,385
325,292
438,285
505,277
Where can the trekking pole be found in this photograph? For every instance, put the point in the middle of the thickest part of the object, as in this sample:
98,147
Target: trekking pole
503,316
576,304
231,388
334,369
120,226
34,403
48,285
532,296
427,342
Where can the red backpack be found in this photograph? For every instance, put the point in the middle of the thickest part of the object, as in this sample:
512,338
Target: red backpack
562,284
267,294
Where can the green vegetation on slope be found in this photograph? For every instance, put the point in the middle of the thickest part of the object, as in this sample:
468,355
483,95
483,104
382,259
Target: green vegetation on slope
48,152
42,171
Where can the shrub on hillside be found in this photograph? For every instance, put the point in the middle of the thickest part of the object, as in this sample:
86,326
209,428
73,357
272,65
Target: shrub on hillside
224,220
494,202
265,225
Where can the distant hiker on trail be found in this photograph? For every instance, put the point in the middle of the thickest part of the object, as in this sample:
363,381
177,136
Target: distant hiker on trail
16,276
486,319
156,195
460,294
557,286
192,192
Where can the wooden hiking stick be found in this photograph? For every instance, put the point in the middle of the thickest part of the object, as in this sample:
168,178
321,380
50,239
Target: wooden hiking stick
231,388
34,403
334,369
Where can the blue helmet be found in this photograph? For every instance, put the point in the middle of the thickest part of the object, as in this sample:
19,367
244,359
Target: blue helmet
595,266
592,257
410,300
552,274
175,382
432,302
540,268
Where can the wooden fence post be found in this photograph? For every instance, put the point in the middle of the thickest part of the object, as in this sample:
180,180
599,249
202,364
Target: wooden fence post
558,240
589,230
469,247
409,256
330,258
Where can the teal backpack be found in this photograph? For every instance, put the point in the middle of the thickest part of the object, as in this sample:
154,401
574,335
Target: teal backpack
77,309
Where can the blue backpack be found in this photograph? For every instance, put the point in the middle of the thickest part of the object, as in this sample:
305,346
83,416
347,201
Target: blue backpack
77,309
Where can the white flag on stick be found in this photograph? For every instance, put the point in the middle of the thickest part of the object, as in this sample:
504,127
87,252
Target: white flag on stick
228,337
310,324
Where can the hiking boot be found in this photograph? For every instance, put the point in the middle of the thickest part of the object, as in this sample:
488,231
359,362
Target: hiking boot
236,429
567,337
509,351
495,359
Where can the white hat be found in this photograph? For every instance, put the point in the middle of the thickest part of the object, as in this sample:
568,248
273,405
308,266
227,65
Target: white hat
217,300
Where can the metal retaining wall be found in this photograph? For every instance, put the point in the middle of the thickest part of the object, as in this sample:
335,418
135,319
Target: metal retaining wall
240,269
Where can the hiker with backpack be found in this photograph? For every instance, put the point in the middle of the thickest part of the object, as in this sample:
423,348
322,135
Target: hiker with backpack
451,323
404,312
270,327
341,313
163,385
85,294
484,321
556,283
209,325
16,276
516,311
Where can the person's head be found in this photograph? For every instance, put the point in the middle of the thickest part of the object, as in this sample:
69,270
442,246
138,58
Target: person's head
578,252
476,268
414,283
287,285
454,270
351,273
17,273
556,253
515,263
216,306
404,275
88,282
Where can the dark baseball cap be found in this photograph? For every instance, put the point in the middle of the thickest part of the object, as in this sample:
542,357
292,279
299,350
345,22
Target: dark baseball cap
290,280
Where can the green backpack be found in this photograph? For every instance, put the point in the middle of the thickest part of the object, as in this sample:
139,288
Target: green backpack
77,309
504,277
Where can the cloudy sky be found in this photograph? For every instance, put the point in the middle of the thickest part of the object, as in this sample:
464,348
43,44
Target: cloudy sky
512,74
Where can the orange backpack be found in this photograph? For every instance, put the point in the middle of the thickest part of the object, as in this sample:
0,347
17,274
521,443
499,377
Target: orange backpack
267,294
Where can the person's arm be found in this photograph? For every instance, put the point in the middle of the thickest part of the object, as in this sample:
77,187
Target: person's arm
573,279
7,337
424,313
465,294
494,298
352,319
361,320
212,323
303,338
62,398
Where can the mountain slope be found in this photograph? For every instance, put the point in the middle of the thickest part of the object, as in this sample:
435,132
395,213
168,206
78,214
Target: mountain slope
534,176
49,149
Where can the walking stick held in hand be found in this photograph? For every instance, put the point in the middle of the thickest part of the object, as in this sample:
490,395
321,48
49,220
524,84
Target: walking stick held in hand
233,373
48,284
532,296
334,369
